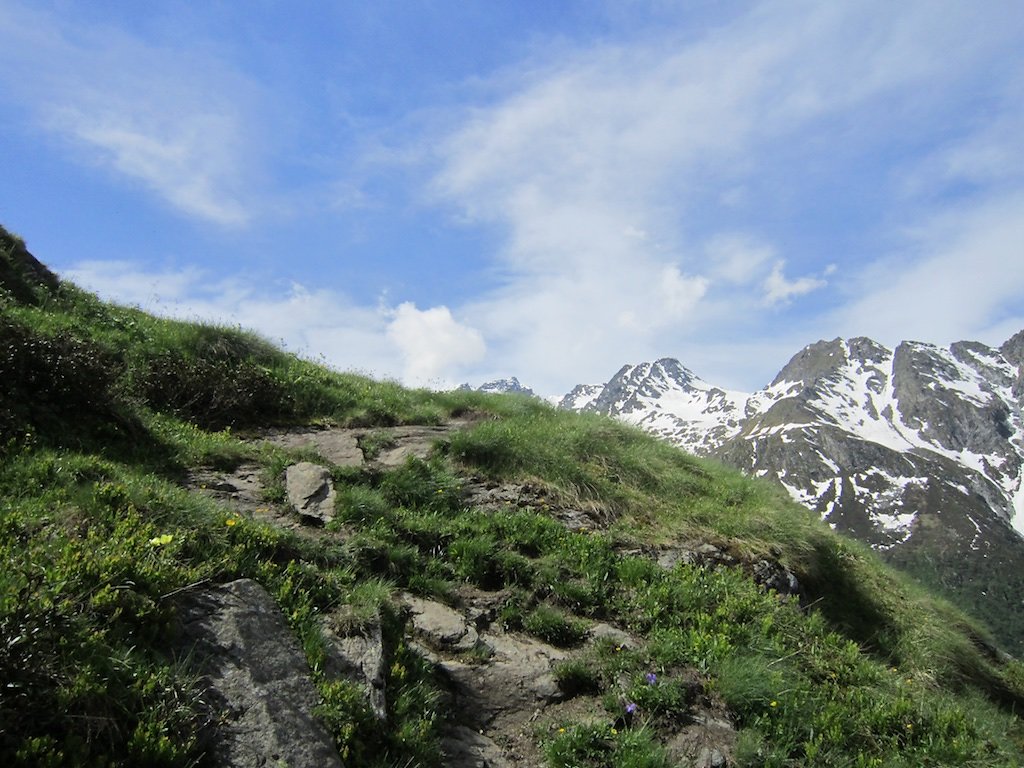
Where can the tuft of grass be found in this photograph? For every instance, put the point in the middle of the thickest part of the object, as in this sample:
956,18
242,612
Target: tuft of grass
553,626
599,745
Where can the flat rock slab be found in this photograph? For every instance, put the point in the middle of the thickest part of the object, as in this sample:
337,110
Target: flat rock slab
417,442
510,686
310,491
258,680
338,446
709,742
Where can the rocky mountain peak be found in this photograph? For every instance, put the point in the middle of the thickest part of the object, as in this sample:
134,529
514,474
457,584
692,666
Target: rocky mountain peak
503,387
580,397
817,360
1013,349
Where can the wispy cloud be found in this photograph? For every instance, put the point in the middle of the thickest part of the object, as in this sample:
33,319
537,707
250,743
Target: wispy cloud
778,289
961,276
681,140
679,190
174,119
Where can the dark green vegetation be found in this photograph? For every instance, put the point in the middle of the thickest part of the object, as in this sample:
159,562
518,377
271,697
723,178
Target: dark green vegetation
104,408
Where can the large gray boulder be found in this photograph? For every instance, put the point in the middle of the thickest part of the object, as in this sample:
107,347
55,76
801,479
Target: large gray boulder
257,681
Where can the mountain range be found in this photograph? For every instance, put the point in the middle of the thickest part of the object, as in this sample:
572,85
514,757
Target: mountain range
917,451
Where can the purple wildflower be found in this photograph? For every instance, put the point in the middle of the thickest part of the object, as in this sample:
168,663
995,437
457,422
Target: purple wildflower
651,678
630,708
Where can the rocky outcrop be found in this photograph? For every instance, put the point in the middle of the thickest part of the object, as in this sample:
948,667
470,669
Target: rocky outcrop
256,679
338,446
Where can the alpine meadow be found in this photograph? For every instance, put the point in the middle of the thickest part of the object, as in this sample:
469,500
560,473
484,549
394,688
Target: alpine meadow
218,553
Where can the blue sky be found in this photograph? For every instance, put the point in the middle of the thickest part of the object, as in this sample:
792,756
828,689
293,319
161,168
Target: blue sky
442,191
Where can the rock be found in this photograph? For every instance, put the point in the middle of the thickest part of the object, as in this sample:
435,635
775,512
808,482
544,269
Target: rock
704,554
707,743
465,748
774,576
257,681
338,446
511,684
360,657
614,635
310,491
443,628
417,442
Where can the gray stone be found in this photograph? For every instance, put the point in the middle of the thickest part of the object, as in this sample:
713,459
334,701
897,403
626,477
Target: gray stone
442,627
513,682
257,681
708,742
359,656
338,446
615,635
774,576
415,442
310,491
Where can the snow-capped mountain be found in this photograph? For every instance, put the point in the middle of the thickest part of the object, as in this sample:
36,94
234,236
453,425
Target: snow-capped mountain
502,386
918,451
667,399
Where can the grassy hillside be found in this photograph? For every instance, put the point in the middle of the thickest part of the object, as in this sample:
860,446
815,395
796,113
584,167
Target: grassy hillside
104,409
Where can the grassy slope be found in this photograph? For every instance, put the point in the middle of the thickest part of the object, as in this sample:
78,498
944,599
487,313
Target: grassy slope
104,408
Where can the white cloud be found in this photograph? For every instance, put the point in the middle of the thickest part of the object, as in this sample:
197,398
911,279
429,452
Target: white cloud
176,120
433,344
673,137
778,289
737,259
680,293
624,181
125,281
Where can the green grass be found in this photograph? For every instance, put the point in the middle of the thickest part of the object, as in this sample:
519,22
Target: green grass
106,408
